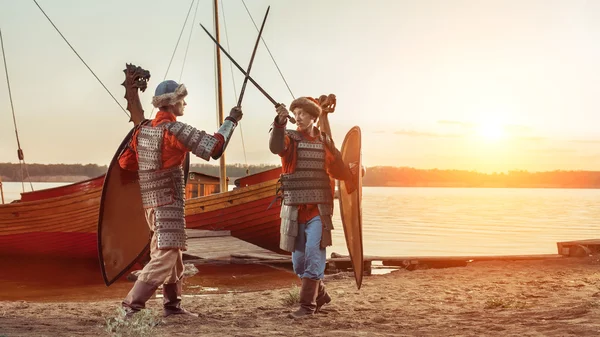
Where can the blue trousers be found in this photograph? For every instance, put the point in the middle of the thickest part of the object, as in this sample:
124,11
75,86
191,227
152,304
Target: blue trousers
308,257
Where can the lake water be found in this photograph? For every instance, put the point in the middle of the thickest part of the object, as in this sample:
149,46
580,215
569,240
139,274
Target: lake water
475,221
12,190
460,221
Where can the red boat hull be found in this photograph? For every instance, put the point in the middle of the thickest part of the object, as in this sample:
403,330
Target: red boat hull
63,221
60,191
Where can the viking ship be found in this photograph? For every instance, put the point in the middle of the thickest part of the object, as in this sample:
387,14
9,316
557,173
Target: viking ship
62,221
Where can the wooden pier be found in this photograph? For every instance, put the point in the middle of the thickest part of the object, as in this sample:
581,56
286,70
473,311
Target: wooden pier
1,191
206,246
578,248
219,247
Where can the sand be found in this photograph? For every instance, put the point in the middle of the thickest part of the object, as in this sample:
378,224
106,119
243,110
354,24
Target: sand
496,298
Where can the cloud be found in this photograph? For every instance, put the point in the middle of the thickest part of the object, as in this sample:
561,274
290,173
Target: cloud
531,138
517,128
456,123
413,133
552,150
586,141
509,128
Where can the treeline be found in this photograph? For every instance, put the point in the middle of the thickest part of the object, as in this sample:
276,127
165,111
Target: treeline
58,172
15,172
233,170
375,176
405,176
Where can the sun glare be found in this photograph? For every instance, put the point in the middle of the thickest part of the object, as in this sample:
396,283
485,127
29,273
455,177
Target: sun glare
491,131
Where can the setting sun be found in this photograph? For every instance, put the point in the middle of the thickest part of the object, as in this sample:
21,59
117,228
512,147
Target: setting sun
491,131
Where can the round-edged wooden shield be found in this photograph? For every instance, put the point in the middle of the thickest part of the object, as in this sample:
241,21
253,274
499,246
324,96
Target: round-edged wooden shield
123,233
350,197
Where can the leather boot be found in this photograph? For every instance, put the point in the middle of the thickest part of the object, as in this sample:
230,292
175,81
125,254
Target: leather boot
308,298
322,296
137,297
172,300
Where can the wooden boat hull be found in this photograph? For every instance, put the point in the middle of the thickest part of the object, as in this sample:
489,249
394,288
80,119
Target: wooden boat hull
62,226
60,191
66,225
244,211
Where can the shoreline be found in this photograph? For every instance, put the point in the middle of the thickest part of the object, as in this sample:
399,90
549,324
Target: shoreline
503,298
69,180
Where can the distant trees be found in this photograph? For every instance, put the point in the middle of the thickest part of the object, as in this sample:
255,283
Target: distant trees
233,170
406,176
12,172
375,176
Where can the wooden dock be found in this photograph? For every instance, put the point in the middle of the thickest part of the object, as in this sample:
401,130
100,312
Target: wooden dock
422,262
206,246
578,248
219,247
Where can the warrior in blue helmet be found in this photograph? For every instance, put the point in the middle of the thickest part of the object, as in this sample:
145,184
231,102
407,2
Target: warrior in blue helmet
157,152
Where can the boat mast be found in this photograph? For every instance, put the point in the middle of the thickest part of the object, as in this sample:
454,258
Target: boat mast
222,170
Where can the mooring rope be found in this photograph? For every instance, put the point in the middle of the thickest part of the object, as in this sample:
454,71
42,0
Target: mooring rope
20,154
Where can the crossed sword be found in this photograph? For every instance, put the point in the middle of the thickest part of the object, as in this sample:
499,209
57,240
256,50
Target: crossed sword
247,73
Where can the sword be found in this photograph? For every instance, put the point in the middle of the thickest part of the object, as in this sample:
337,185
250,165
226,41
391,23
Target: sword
246,74
252,58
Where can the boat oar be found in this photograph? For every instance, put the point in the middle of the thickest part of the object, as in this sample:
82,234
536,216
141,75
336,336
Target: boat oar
252,58
246,74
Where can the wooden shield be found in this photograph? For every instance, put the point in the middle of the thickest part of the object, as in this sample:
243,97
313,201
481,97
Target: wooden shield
123,233
350,204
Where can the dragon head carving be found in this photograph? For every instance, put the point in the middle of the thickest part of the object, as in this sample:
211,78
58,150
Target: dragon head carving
136,78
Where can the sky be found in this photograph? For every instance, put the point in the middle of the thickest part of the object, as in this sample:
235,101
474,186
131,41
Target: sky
475,85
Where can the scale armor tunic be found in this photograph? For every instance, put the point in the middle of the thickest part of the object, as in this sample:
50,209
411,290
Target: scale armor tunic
164,189
309,184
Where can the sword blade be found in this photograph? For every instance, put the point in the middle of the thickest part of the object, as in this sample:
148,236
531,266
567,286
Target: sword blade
241,69
252,58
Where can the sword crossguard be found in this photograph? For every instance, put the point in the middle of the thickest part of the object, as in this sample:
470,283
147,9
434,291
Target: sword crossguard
248,77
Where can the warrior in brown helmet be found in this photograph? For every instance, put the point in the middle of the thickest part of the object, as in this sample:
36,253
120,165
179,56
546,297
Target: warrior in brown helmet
309,159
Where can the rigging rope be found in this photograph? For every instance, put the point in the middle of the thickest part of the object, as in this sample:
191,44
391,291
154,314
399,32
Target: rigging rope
90,69
188,43
19,150
175,49
272,58
234,88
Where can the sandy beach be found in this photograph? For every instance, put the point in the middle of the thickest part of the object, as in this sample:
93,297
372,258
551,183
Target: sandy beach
559,297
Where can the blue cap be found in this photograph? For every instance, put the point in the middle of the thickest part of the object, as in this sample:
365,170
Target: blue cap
166,87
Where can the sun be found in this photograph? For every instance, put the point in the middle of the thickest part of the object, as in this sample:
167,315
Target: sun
491,130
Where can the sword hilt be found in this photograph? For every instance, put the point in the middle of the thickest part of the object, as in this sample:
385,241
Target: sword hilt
290,118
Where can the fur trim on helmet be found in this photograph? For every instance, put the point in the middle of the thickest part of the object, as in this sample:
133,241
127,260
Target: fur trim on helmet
308,104
170,98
